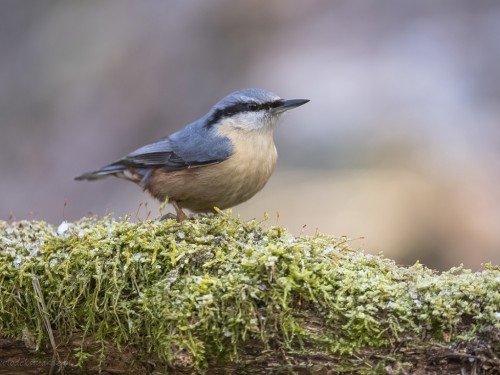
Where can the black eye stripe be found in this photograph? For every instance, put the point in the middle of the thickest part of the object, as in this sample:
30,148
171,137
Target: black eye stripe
249,107
240,108
258,107
234,109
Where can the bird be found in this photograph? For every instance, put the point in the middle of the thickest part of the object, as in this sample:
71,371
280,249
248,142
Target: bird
216,162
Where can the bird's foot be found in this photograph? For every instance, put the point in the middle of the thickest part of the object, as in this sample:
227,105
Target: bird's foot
181,216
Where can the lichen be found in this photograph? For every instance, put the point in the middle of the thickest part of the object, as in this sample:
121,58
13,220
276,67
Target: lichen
210,286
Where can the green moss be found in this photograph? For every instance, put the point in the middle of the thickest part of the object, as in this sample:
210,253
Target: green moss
210,286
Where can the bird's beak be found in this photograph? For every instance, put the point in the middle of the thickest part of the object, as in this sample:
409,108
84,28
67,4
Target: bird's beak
291,103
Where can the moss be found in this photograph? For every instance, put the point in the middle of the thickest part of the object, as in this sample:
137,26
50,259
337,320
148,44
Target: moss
210,286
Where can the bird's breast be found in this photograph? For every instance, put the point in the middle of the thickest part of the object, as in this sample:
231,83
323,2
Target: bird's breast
225,184
248,169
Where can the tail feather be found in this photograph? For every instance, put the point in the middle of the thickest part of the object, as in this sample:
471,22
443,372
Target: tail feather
106,171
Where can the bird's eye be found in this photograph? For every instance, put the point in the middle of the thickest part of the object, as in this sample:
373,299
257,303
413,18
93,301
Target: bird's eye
253,107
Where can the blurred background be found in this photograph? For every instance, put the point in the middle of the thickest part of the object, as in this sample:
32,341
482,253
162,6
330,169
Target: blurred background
399,148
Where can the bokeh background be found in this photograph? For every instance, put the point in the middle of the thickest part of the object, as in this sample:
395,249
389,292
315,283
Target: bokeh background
399,148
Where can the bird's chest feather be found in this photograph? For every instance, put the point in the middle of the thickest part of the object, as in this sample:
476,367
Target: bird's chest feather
253,160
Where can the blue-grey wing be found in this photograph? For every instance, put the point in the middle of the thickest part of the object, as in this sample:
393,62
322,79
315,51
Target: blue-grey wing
192,146
157,154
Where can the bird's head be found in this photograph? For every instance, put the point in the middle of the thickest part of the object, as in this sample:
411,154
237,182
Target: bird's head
251,109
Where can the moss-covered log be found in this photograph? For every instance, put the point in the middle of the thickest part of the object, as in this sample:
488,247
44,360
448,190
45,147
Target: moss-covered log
218,295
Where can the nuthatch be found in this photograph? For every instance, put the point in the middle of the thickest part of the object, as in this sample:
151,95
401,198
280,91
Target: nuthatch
220,160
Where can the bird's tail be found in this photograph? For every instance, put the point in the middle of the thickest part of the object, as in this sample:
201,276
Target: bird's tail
108,170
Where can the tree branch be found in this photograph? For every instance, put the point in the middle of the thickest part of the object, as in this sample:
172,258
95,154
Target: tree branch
219,295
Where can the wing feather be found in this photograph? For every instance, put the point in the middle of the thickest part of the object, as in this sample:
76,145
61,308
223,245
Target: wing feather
193,146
